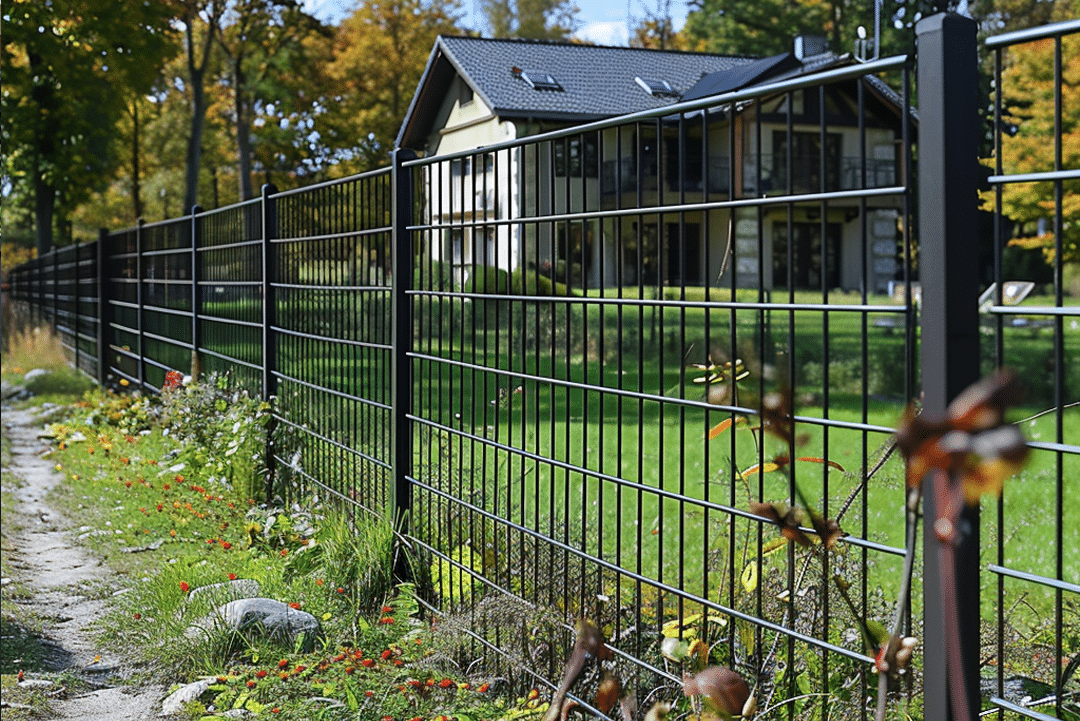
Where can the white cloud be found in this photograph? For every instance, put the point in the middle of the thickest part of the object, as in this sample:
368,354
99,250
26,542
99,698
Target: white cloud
605,33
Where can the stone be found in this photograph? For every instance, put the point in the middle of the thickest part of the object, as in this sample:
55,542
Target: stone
174,702
219,593
260,617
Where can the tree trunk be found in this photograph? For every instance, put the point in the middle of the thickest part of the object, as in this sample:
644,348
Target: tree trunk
44,204
136,179
194,145
243,130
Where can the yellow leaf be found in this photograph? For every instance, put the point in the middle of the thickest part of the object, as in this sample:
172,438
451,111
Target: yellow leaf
724,425
763,468
750,576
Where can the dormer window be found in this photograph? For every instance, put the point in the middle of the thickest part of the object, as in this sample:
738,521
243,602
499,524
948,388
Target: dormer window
657,88
537,80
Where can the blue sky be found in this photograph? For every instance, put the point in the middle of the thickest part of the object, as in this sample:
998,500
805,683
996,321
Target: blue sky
603,22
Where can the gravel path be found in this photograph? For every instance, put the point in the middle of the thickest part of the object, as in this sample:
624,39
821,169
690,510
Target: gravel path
59,572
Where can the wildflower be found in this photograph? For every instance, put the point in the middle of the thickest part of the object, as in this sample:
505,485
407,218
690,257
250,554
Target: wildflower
260,673
534,694
283,663
137,615
386,619
167,486
172,380
349,670
159,507
318,582
284,552
340,590
387,609
184,586
301,668
294,606
251,684
232,576
283,675
368,662
446,683
275,710
369,693
483,688
387,654
172,532
226,545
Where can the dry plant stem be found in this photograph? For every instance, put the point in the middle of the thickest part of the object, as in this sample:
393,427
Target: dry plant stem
914,496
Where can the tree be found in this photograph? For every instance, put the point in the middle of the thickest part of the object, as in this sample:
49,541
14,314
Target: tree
379,56
768,27
1028,112
262,40
533,19
656,30
69,68
201,20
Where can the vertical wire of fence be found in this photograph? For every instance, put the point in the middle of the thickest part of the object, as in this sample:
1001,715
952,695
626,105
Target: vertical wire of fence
1034,574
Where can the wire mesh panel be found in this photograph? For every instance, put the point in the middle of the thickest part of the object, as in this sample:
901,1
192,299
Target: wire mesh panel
228,278
330,332
628,336
1031,318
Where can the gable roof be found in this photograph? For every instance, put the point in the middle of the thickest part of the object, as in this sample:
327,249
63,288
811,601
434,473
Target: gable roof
595,81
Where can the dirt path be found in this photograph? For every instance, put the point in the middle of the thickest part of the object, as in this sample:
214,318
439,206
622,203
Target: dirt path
60,573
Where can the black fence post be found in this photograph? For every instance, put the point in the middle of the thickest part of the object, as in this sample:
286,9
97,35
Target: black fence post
196,294
269,320
948,236
402,343
140,368
103,308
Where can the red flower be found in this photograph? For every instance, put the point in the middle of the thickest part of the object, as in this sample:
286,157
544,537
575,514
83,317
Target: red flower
349,670
295,606
318,582
172,380
340,590
184,586
484,687
386,619
284,552
251,684
232,576
446,683
387,609
387,654
369,694
368,662
137,616
226,545
283,663
301,668
166,486
260,673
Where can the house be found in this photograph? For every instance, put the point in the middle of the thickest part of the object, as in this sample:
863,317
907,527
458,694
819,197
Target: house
478,92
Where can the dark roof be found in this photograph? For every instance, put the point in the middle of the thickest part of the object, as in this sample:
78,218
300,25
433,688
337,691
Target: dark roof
725,81
596,81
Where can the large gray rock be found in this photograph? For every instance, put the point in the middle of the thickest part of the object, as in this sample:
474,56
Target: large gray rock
174,702
260,618
219,593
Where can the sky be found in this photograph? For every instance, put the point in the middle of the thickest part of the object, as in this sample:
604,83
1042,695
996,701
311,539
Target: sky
603,22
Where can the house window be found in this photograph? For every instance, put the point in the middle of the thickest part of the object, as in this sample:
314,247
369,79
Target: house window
806,162
807,256
569,157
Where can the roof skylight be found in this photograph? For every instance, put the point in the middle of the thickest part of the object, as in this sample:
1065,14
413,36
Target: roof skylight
657,88
537,80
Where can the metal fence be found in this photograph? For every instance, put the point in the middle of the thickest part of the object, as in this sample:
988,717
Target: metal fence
547,359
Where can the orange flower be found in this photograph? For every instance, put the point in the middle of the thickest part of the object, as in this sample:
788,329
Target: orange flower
483,687
283,663
251,684
284,552
295,606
